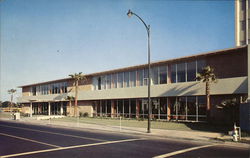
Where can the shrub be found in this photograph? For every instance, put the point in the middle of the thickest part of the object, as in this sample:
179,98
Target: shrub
84,114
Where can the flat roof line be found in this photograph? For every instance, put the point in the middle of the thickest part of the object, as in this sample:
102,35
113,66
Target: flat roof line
144,65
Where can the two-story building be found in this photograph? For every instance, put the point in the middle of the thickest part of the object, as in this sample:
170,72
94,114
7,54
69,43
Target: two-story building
176,95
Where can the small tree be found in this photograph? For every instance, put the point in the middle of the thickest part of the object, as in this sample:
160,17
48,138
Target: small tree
207,76
77,77
11,91
70,99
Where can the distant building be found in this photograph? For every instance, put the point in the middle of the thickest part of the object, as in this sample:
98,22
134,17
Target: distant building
242,28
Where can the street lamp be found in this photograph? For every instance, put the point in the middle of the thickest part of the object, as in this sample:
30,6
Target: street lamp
130,13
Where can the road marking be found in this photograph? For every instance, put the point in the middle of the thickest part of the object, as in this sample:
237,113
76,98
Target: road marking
184,150
71,147
68,135
31,140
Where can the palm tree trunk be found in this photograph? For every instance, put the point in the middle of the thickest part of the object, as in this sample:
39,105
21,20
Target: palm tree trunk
208,100
11,100
76,98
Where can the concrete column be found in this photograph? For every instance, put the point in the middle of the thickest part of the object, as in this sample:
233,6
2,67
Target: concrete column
49,109
169,74
137,109
168,109
112,108
30,109
61,110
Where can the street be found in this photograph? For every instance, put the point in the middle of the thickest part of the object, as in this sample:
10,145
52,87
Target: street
25,140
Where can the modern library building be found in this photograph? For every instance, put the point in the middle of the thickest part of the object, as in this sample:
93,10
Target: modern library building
175,93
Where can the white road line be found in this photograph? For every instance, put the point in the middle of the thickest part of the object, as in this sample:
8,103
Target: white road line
71,147
68,135
184,150
31,140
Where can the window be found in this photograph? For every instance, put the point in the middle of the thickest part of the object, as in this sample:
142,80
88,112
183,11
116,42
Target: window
200,65
64,87
126,79
133,107
114,80
132,76
140,77
108,77
154,75
173,73
33,90
126,107
201,108
191,71
95,83
145,77
181,107
191,108
181,73
103,82
99,83
120,106
163,74
120,80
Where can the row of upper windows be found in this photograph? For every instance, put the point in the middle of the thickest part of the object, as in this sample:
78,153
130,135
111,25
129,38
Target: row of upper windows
54,88
180,72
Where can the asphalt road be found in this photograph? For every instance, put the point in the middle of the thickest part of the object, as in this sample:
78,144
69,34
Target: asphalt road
25,140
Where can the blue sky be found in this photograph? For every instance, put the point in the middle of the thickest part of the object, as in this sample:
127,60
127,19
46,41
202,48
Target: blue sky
45,40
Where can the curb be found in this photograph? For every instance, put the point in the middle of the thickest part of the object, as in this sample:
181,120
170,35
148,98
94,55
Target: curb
130,132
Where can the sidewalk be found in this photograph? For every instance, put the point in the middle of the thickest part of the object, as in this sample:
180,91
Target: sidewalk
160,133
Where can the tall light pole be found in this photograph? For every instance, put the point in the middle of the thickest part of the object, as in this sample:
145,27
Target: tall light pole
130,13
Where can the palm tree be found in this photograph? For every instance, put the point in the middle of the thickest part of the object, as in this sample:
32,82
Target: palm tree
77,77
207,76
11,91
70,99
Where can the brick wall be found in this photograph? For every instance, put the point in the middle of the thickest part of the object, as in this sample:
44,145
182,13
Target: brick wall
230,64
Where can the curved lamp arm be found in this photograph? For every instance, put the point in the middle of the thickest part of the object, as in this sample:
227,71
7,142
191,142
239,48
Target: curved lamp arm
130,13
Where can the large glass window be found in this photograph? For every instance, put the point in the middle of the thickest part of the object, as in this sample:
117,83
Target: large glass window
120,107
202,108
181,73
200,65
99,83
126,107
181,107
132,76
108,77
145,77
173,107
104,107
114,80
140,77
154,75
103,81
120,80
191,71
108,107
133,107
95,83
173,73
163,108
33,90
191,108
126,79
163,74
